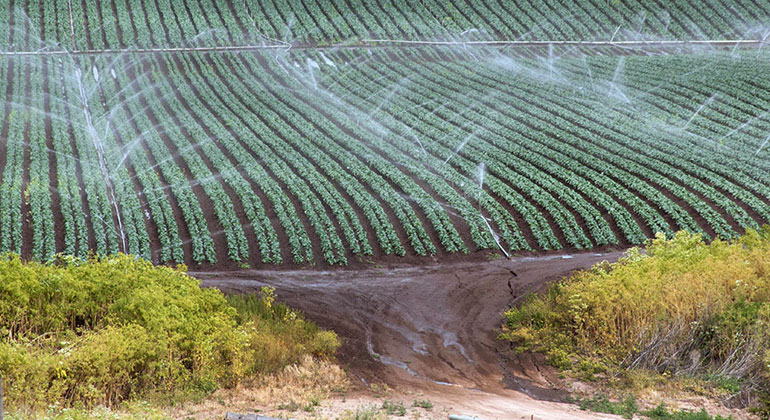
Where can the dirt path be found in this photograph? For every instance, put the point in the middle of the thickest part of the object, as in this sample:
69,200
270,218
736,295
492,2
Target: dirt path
428,329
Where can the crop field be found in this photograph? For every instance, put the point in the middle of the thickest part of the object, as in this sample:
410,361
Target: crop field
116,24
272,132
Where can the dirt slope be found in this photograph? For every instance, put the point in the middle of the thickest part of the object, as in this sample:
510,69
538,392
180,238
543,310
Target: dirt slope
430,328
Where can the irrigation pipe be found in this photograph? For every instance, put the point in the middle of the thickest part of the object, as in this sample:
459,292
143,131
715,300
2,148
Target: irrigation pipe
148,50
727,42
374,43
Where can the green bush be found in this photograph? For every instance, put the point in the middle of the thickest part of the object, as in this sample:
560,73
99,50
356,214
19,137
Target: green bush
98,332
681,306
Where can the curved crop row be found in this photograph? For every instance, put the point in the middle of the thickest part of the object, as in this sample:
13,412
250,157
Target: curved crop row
175,23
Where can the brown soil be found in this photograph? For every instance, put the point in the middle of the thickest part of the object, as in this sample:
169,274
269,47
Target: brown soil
429,328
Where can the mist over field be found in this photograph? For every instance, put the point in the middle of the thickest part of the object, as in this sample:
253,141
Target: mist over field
404,172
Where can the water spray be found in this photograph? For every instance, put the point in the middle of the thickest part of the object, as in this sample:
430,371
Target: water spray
700,108
762,146
99,147
481,171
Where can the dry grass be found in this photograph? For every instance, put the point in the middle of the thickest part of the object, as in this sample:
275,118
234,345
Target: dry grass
304,384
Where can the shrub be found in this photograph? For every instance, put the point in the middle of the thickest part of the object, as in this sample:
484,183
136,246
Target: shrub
682,306
98,332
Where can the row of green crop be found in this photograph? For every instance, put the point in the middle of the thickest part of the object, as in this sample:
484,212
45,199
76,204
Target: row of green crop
465,142
492,145
38,191
643,145
11,186
67,165
160,215
446,233
703,163
731,114
311,188
160,23
373,141
514,103
351,153
594,133
139,101
732,168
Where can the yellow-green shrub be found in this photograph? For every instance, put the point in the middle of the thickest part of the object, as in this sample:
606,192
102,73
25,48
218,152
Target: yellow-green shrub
681,306
78,333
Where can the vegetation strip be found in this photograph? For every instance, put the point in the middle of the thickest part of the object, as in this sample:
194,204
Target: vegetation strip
681,310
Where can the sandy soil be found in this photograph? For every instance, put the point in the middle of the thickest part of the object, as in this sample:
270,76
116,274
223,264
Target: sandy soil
430,330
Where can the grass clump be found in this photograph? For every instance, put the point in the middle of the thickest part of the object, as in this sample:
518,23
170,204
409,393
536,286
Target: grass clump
628,408
364,413
95,333
681,308
601,404
394,408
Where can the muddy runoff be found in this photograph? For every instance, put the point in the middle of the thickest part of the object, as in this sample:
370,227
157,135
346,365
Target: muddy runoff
430,325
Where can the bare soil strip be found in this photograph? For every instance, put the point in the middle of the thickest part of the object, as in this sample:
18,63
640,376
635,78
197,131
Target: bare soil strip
426,328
